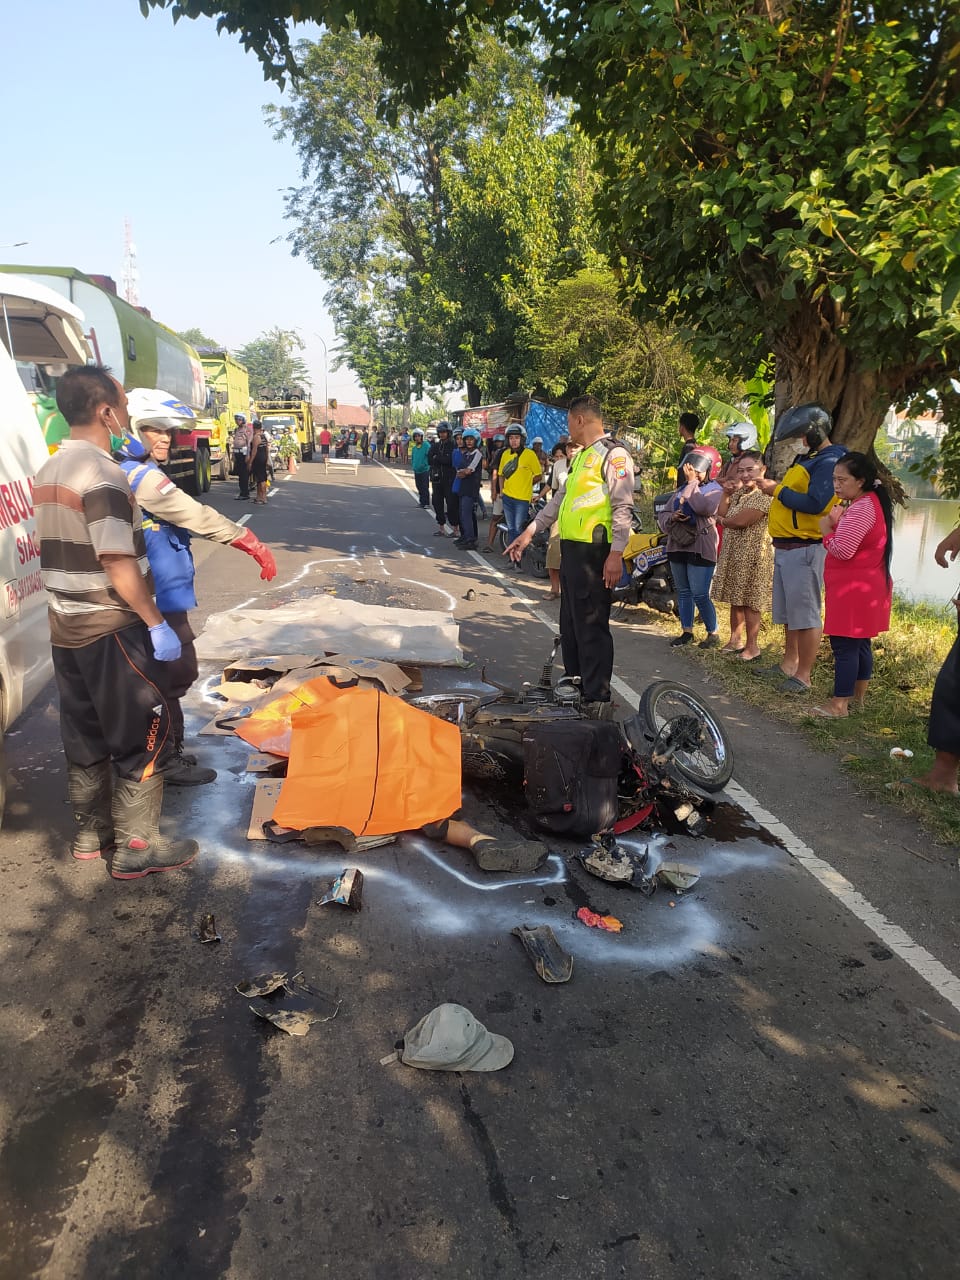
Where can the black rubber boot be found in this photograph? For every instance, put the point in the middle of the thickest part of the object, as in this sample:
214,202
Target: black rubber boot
91,791
141,848
183,770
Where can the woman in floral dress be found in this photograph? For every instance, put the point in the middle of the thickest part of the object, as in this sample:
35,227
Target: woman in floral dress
744,577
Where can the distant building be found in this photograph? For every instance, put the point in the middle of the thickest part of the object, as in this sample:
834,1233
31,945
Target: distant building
910,435
354,417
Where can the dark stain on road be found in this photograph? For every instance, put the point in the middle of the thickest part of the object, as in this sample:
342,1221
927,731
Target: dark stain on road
500,1196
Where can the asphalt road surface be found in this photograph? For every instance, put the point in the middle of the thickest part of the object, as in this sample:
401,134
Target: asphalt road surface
756,1080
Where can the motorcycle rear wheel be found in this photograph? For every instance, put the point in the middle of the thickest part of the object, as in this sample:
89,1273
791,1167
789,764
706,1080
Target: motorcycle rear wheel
709,763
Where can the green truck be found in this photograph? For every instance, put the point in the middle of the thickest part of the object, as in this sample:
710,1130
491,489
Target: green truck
128,339
289,413
228,393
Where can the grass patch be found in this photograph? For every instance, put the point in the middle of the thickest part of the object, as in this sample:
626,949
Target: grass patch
906,661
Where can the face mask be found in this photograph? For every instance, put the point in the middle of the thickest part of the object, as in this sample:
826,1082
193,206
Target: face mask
116,443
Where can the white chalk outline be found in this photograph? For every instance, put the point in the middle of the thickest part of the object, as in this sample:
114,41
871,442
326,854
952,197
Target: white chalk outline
936,974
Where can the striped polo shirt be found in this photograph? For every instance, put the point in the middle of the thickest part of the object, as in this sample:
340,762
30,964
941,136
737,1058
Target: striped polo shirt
84,510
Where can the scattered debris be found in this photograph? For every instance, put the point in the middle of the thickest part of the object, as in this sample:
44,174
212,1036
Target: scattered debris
295,1022
262,985
901,753
265,796
551,962
347,841
207,930
347,890
593,920
262,762
470,595
450,1038
608,860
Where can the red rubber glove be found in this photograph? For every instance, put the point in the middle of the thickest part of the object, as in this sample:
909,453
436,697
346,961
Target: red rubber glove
251,544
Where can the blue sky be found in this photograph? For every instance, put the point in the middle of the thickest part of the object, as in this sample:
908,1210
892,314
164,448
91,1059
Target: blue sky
107,115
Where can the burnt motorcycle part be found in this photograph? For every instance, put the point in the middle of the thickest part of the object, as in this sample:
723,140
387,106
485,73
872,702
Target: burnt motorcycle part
549,959
262,985
678,876
608,860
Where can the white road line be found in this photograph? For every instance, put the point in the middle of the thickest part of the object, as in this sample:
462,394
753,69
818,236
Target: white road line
943,981
244,519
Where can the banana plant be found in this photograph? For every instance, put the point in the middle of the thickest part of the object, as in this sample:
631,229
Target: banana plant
756,405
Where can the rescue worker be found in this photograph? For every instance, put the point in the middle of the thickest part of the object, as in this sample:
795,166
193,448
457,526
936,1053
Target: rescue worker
110,640
170,516
240,447
442,475
595,512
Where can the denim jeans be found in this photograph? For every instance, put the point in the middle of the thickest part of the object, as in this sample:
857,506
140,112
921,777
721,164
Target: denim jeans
516,512
852,661
693,591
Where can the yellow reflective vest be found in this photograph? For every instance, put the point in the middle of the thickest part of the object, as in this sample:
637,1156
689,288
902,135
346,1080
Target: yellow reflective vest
586,498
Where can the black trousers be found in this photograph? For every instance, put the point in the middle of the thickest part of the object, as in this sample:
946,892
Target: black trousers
943,729
422,481
446,504
243,474
586,642
112,704
177,677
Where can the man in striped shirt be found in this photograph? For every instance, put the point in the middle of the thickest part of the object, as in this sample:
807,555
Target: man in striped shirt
108,636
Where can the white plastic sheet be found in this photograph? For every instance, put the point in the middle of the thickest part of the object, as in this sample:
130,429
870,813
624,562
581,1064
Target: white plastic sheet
330,625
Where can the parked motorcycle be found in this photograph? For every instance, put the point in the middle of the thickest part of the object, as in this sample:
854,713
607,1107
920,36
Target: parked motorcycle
647,577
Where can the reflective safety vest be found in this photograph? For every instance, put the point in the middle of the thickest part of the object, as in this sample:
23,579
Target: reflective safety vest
168,550
586,497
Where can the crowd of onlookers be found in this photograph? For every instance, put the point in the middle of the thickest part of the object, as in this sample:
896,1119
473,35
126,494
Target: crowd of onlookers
823,533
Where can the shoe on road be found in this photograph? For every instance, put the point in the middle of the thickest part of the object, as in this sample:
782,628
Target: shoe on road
184,771
685,637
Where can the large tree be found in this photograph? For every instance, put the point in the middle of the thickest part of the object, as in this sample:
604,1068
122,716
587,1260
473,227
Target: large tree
273,362
780,176
438,229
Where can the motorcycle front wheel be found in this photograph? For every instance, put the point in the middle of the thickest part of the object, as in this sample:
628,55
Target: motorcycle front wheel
702,752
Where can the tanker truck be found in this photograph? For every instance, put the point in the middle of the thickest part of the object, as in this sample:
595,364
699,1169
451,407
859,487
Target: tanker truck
140,352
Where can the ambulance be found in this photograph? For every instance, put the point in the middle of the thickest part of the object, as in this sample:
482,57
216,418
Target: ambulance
41,336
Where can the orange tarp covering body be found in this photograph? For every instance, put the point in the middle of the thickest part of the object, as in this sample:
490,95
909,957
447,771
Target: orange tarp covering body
369,762
268,728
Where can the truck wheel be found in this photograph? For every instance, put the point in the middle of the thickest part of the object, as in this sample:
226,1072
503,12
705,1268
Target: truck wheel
223,468
307,451
203,466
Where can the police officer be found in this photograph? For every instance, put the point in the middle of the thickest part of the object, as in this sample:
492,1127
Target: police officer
594,511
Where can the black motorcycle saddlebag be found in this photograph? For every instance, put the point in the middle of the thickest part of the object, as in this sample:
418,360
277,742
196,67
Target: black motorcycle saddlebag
570,775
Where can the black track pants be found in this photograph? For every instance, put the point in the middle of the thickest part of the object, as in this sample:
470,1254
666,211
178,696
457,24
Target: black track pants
177,677
586,642
112,704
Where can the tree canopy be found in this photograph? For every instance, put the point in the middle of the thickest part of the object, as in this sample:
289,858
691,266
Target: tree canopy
775,176
197,339
273,364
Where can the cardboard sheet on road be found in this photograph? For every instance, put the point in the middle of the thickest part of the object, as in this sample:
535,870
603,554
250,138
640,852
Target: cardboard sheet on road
330,625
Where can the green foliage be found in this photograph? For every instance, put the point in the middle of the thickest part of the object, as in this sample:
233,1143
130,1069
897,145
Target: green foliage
784,179
273,364
437,230
197,339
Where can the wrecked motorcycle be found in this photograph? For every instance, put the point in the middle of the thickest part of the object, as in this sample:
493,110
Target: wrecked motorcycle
673,753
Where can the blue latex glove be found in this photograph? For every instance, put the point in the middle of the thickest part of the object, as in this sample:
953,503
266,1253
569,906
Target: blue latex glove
166,646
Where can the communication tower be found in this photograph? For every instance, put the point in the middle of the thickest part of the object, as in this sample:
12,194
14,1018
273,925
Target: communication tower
131,274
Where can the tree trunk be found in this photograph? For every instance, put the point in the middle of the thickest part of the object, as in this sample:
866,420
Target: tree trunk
812,364
473,394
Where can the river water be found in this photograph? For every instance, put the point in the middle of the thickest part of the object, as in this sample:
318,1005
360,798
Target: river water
918,529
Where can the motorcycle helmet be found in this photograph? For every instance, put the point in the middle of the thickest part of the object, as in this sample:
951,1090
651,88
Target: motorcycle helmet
811,421
745,432
443,426
514,429
703,461
240,419
470,434
417,432
150,407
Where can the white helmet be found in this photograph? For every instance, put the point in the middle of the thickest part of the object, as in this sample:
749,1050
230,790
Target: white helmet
745,432
151,407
